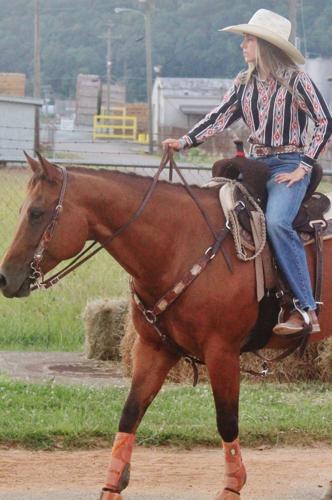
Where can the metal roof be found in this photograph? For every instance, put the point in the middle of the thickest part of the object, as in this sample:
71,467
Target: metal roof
21,100
194,86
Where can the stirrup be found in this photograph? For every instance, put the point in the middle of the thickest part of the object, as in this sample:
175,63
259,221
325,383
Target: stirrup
299,332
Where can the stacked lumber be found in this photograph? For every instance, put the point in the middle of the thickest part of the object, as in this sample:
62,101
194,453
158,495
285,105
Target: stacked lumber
12,84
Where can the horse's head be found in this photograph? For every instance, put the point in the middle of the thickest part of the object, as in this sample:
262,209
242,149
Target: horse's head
46,232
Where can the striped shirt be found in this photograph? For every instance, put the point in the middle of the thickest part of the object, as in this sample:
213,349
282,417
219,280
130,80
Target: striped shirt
274,115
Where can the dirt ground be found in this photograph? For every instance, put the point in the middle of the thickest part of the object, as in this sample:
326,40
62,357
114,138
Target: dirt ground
165,473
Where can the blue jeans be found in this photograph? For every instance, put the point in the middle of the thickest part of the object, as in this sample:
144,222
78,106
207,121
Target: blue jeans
282,207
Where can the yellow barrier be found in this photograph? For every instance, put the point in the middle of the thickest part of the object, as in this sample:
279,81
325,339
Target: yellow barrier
115,126
143,138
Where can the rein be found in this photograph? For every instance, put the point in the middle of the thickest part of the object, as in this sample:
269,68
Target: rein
37,276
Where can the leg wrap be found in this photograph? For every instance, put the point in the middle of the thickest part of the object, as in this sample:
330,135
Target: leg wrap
235,471
119,469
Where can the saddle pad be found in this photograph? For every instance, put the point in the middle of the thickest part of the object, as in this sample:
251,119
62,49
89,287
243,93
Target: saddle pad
226,198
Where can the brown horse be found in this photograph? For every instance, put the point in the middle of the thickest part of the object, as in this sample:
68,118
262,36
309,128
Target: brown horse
210,320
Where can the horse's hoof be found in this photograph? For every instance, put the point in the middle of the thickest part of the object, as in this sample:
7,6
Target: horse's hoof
228,495
109,495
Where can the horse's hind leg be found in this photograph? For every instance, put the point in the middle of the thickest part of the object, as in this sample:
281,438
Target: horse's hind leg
150,369
224,371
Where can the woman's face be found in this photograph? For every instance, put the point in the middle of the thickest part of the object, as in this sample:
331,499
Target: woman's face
249,48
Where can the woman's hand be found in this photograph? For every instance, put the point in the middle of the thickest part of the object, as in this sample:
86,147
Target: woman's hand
291,177
172,143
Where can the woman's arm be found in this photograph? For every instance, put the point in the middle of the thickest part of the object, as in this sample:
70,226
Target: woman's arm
228,111
313,104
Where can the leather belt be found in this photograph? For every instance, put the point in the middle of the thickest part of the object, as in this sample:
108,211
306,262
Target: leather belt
257,150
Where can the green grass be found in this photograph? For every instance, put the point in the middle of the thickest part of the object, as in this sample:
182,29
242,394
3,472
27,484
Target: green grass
48,416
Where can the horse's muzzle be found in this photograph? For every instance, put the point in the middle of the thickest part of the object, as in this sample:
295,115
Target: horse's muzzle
14,287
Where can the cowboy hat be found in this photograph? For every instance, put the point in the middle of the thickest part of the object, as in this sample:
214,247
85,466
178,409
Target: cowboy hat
271,27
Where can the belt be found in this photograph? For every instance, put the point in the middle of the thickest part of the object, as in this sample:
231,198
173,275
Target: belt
257,150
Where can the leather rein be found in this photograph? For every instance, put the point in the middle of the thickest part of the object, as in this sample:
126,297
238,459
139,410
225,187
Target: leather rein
37,276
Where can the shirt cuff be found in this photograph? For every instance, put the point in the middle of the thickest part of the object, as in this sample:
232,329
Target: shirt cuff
186,142
307,161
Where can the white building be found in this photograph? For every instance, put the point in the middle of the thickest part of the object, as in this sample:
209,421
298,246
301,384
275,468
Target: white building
178,103
17,126
320,70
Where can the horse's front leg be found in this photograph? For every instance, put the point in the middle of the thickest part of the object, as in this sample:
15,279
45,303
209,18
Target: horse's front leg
151,366
224,372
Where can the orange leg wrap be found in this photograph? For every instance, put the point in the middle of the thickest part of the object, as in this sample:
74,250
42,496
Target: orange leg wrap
117,478
235,472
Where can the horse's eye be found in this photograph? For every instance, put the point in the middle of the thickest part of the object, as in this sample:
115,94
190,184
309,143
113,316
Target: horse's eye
36,213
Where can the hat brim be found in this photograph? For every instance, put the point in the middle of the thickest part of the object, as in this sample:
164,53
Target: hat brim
268,36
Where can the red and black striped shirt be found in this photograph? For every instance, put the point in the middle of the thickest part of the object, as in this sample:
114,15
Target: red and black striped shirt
275,115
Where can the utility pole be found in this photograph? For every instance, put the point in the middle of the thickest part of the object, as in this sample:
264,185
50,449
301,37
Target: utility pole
149,76
36,81
109,66
148,7
292,14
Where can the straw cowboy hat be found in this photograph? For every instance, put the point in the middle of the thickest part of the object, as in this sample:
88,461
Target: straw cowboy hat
271,27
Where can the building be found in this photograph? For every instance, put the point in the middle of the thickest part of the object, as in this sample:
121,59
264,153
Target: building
178,103
17,126
320,70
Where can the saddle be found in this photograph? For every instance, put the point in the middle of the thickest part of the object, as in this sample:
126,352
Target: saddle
253,175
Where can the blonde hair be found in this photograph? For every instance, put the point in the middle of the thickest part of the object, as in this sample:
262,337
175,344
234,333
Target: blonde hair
270,60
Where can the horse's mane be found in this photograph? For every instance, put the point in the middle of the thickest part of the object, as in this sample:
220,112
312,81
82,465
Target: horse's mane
132,175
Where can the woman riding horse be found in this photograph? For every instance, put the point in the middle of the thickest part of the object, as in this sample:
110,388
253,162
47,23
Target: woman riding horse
64,208
275,98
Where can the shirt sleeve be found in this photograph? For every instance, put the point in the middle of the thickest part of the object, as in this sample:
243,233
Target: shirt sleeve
313,104
221,117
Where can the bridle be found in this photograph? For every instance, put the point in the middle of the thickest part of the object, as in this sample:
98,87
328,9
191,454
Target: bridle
37,276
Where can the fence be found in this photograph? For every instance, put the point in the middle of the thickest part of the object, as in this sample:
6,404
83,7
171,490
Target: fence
115,126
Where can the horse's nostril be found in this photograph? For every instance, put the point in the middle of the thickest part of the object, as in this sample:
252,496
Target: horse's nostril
3,281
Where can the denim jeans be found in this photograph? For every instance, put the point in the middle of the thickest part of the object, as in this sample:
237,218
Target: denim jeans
282,207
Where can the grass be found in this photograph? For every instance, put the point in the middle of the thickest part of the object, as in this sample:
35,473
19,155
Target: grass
48,416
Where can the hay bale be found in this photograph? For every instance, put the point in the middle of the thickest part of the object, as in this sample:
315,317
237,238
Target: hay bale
316,364
104,321
127,344
324,359
110,334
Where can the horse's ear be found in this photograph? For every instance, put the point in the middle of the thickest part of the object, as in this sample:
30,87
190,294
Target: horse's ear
34,164
49,169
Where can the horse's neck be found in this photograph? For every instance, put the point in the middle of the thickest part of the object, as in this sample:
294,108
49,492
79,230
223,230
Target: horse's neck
149,248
